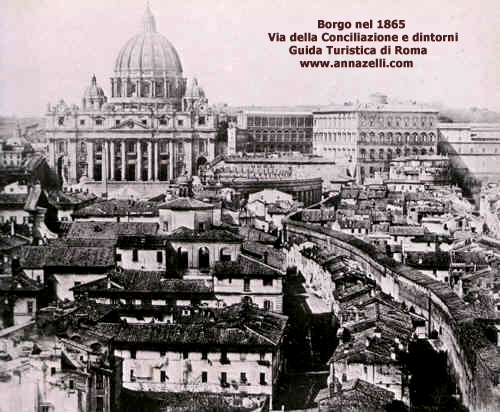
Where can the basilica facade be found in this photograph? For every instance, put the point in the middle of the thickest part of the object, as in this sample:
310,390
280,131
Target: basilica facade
155,127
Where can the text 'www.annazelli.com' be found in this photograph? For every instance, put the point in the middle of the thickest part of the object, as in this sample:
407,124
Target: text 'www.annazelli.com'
376,63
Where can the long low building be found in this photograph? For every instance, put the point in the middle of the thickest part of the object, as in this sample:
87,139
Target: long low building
472,356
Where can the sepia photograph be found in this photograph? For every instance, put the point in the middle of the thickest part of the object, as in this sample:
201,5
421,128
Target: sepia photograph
249,206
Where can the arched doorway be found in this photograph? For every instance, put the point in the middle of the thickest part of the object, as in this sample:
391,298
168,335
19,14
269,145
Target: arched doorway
182,258
225,255
200,162
204,259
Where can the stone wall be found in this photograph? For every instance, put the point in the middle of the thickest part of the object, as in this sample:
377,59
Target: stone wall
435,301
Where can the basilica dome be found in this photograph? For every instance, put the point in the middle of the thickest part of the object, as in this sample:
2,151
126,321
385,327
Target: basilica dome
147,53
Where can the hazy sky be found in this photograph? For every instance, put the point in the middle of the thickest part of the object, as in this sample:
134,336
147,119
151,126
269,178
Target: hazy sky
50,48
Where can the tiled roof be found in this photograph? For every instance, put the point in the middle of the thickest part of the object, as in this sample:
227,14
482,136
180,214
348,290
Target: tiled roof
245,266
212,235
249,233
110,230
115,207
359,396
186,203
275,257
41,256
20,283
61,199
142,281
235,325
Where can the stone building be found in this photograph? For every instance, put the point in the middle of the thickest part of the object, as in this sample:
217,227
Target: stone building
155,126
372,134
268,130
472,146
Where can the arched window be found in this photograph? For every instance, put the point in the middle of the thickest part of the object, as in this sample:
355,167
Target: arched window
381,154
389,154
182,258
372,154
204,258
423,152
381,138
363,154
225,255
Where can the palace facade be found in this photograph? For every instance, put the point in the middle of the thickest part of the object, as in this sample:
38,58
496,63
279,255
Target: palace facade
371,134
155,127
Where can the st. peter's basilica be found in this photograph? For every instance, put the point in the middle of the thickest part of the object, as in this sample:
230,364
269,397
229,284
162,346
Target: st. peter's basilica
155,126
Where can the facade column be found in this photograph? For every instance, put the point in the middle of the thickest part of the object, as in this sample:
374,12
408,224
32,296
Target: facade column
152,88
138,88
138,168
90,160
188,157
124,87
112,160
171,160
124,161
105,156
150,160
210,149
156,160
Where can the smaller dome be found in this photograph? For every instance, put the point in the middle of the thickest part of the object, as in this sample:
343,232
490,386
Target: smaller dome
93,91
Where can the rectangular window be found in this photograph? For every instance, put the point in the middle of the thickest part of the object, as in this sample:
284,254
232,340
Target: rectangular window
82,122
246,285
133,353
131,147
263,379
159,257
30,306
71,384
52,371
185,355
118,257
204,377
267,282
223,357
99,404
163,353
204,355
180,122
223,378
99,381
132,376
243,377
163,122
201,120
98,122
135,255
163,376
117,123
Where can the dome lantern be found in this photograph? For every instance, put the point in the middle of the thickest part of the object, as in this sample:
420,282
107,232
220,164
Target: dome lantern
148,21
